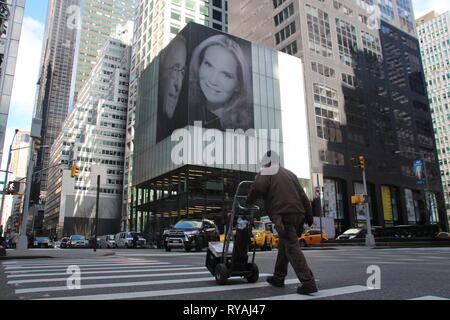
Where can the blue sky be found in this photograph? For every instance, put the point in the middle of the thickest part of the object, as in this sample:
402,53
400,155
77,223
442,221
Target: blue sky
28,63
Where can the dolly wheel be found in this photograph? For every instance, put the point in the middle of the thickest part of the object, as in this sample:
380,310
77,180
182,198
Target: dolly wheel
254,273
221,274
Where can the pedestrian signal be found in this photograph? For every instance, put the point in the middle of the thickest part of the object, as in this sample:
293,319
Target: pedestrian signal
13,187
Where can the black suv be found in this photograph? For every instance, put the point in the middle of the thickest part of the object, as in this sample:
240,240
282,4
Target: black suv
191,233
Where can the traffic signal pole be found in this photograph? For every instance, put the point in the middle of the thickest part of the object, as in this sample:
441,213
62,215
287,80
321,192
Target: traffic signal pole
370,239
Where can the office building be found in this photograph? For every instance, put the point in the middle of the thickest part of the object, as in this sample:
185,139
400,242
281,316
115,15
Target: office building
92,138
366,96
193,172
434,36
11,18
157,23
76,30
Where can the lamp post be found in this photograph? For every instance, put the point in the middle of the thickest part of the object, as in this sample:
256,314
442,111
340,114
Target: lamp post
6,181
426,188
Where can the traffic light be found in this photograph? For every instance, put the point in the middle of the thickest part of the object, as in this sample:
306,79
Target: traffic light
37,144
361,162
13,187
74,171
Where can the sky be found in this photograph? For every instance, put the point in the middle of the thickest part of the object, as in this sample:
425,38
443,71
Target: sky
30,49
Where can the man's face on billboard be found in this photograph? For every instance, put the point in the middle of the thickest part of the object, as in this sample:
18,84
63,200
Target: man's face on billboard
218,74
173,70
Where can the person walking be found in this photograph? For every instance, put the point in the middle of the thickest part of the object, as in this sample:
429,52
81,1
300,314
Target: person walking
289,208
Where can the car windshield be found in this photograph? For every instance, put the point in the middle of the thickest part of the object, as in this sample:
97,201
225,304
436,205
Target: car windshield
184,224
77,238
352,231
259,226
132,234
110,237
41,239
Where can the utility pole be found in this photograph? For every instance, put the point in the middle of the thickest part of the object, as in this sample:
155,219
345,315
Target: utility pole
370,239
5,182
96,213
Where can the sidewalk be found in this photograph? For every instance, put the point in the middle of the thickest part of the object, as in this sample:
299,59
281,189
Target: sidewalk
12,254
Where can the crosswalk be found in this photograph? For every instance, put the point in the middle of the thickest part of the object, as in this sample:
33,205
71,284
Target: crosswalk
131,278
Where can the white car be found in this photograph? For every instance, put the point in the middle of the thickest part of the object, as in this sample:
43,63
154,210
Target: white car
77,241
107,242
125,239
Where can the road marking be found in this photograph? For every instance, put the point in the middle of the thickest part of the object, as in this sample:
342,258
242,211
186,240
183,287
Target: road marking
169,292
99,269
171,268
320,294
120,285
86,265
143,275
430,298
77,262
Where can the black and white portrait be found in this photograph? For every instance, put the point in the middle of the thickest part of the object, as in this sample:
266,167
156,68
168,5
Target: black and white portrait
220,84
171,78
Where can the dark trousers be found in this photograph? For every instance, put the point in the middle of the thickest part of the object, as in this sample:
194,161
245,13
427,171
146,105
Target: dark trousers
289,249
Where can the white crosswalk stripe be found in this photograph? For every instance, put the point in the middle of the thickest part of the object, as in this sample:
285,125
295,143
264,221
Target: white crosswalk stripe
130,278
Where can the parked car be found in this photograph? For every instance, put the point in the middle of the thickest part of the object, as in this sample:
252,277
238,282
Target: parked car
42,242
107,241
64,243
312,236
262,235
191,234
358,233
125,239
78,241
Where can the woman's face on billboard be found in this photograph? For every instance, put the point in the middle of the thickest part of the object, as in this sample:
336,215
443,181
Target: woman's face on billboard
218,74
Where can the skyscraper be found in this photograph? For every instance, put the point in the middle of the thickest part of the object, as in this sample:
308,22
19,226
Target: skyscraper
93,138
157,23
75,31
55,82
434,35
11,17
366,95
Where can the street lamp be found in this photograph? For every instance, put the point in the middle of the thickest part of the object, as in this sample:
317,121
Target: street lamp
5,182
426,189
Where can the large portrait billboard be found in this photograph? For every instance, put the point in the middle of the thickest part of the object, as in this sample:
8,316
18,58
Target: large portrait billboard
205,76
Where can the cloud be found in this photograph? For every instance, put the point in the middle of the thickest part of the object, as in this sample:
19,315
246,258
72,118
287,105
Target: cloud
422,7
25,79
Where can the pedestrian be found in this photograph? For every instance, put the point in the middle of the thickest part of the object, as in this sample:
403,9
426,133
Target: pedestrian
288,208
14,240
135,240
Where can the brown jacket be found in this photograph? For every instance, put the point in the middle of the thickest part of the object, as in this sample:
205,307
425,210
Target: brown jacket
281,192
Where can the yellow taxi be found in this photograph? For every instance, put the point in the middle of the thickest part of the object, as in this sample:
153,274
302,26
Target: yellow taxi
312,236
308,237
262,235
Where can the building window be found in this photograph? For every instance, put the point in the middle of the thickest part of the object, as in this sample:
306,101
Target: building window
284,14
348,46
319,32
285,33
277,3
291,48
323,70
327,113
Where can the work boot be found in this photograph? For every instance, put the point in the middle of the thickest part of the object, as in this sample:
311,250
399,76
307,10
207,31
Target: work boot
307,289
274,282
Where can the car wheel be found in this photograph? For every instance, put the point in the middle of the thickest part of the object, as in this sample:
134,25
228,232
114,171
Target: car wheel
187,248
254,273
303,244
221,274
168,249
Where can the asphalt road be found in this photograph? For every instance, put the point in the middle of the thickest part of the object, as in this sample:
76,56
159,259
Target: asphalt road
342,274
